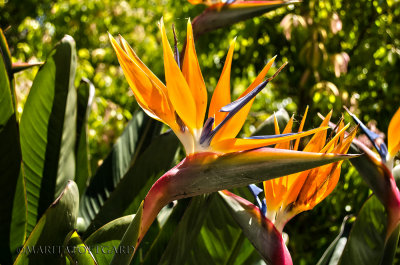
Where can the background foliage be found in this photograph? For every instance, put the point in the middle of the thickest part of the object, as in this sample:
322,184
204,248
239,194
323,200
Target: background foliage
339,53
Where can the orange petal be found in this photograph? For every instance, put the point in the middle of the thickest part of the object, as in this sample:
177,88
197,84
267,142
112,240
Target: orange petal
276,125
329,146
222,92
394,135
250,4
205,2
273,202
331,183
235,124
147,93
321,181
288,129
303,120
178,90
317,142
238,144
192,73
296,182
132,55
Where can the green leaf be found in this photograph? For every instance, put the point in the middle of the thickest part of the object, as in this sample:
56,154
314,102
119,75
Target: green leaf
184,237
139,156
390,247
76,251
13,197
44,244
214,238
48,129
6,104
221,240
108,237
6,57
268,127
333,253
84,101
366,242
124,254
160,243
5,51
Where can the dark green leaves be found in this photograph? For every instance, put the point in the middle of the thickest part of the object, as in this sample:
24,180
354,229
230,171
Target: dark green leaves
51,230
139,156
12,195
48,130
366,242
127,245
76,251
108,236
84,102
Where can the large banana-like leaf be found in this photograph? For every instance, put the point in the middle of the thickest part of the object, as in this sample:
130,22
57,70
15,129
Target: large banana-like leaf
128,241
76,251
366,242
333,253
139,156
48,129
12,196
44,244
221,240
84,102
184,237
106,237
160,241
6,58
199,230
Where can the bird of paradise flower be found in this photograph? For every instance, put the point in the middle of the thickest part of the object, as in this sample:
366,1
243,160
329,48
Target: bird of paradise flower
290,195
215,158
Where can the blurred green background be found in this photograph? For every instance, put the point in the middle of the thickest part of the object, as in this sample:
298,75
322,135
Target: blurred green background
339,53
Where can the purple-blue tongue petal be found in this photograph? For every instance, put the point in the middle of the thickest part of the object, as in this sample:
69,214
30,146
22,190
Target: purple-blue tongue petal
236,105
255,190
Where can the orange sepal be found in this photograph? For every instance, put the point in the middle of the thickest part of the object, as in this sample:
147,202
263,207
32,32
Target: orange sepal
222,93
238,144
394,135
192,73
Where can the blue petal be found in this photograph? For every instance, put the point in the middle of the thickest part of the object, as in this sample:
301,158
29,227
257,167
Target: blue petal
241,102
237,105
207,128
255,190
264,207
233,108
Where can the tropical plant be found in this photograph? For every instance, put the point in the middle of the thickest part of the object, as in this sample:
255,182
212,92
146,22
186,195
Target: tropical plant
134,208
